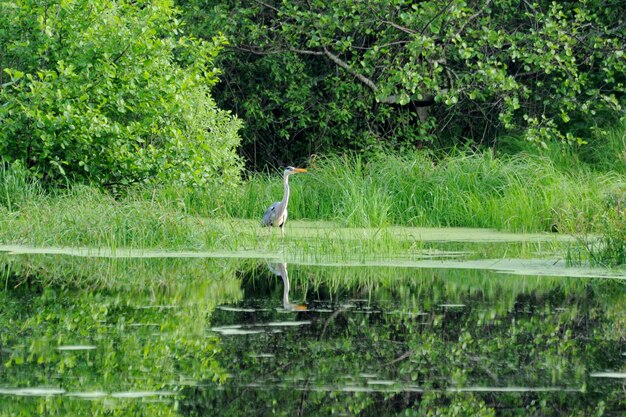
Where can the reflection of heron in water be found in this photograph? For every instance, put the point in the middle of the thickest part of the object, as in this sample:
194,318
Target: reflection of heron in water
281,270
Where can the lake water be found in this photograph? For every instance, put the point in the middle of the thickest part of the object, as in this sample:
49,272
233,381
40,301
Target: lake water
161,334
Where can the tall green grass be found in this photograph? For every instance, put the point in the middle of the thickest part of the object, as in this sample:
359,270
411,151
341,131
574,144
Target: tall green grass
604,151
605,247
514,193
518,193
17,186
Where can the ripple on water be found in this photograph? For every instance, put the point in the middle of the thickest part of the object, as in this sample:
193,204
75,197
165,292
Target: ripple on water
287,323
261,355
237,309
75,347
32,391
88,395
513,389
380,382
618,375
233,331
141,394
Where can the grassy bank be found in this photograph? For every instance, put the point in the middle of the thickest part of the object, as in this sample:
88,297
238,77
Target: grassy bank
521,194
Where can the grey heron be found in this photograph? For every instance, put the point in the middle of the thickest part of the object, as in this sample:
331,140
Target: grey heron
276,214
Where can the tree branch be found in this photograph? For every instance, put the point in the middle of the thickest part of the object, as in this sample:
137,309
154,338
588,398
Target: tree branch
372,86
443,9
269,6
305,52
399,27
405,355
348,68
392,99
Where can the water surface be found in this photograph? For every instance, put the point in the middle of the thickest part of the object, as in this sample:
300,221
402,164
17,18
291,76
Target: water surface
194,335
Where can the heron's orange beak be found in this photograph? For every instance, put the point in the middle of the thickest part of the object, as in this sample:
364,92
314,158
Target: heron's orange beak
299,170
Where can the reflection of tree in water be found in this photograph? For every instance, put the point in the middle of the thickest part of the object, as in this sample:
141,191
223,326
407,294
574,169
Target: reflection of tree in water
376,350
145,332
371,341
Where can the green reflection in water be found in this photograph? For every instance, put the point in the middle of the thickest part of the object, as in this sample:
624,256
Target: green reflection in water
390,341
197,336
108,336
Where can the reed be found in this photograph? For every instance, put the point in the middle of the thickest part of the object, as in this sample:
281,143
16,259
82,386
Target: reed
521,193
607,246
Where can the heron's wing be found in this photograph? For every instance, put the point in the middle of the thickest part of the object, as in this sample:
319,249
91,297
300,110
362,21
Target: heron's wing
270,215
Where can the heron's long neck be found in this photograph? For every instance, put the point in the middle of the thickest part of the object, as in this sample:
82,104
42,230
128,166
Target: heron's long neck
286,195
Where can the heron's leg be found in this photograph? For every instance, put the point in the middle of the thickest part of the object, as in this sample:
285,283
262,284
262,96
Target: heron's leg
282,231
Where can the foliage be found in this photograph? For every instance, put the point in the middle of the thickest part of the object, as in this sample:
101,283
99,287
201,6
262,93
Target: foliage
610,153
111,92
310,76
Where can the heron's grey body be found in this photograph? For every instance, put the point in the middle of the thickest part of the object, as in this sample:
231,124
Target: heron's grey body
273,215
276,214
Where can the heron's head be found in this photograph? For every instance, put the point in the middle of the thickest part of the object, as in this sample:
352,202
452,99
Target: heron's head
291,170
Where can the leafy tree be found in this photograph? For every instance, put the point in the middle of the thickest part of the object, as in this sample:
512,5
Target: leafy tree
315,75
111,92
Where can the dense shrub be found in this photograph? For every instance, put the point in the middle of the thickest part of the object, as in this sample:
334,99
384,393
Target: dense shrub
111,92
